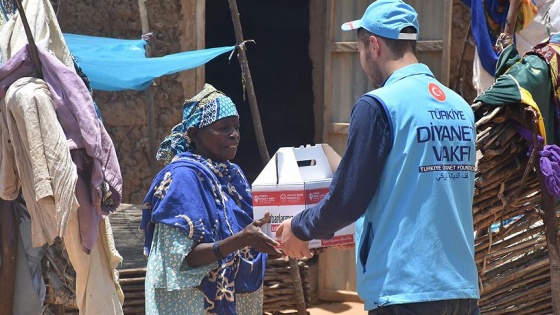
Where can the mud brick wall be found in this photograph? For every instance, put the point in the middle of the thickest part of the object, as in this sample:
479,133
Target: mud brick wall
125,112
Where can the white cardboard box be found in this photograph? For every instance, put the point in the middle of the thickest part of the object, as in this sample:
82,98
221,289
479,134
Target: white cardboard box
293,180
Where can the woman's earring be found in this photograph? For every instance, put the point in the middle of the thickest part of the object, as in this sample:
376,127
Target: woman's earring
187,138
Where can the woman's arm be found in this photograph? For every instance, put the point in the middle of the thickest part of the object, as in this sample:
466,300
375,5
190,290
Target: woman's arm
251,235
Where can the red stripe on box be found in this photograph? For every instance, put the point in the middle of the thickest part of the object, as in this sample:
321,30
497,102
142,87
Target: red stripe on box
339,240
279,198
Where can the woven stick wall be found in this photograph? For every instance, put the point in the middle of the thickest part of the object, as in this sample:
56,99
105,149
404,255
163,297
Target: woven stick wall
279,291
510,245
278,285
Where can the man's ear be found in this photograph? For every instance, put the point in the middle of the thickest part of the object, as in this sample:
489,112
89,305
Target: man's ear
374,44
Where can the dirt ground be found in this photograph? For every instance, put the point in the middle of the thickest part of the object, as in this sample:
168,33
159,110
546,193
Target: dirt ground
340,308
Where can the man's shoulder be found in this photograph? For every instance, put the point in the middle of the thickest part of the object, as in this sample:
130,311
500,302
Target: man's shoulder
368,99
367,102
369,107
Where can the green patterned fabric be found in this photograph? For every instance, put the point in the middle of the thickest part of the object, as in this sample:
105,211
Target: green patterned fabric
523,80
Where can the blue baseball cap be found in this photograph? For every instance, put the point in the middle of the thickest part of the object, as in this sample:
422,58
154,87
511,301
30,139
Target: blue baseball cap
387,18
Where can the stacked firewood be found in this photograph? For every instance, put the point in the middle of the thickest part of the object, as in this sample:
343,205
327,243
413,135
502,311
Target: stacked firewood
278,287
279,290
132,285
510,245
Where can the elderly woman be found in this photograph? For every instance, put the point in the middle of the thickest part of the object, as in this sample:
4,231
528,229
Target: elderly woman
206,255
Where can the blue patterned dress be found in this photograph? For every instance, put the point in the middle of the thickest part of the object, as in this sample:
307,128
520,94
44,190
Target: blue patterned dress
172,286
193,200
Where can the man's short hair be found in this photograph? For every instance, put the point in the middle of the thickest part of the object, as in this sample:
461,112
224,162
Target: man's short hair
397,46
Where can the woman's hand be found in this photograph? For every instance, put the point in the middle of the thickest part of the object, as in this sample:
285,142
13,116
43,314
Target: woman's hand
251,235
254,237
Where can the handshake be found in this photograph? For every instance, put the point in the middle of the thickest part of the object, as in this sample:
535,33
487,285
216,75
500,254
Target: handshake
290,245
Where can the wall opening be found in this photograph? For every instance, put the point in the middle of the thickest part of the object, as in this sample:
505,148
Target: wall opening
280,68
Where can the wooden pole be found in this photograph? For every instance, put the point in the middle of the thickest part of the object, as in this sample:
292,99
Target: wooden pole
506,37
298,287
143,16
32,47
150,110
511,17
548,208
265,157
8,251
550,221
8,211
463,50
248,82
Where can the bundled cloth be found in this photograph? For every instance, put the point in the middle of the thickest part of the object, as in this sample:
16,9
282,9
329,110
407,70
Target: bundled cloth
549,161
550,167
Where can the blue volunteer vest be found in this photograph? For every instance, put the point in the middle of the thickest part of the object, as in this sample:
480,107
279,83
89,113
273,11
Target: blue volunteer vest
416,240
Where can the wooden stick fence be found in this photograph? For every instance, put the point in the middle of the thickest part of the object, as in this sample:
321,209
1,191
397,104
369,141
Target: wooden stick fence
279,289
510,246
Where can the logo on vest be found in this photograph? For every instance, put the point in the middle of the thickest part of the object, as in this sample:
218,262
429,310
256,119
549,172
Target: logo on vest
436,92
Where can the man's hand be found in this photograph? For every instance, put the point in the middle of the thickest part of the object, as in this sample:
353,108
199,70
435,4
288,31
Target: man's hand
291,245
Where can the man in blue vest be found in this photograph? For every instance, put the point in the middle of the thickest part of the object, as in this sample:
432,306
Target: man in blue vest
406,179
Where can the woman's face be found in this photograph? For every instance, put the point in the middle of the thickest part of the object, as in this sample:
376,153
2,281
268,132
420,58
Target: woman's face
217,141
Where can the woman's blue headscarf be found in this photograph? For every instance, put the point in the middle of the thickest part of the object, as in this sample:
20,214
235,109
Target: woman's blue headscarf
208,106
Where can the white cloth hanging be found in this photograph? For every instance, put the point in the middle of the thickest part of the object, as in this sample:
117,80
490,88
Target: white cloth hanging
46,172
44,27
97,288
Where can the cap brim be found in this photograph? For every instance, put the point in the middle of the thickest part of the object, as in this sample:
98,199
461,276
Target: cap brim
352,25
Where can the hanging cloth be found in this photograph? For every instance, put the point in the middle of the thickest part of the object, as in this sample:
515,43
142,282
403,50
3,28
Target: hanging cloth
488,19
44,27
549,51
522,80
120,64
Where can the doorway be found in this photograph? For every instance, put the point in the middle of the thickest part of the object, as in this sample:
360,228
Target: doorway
280,68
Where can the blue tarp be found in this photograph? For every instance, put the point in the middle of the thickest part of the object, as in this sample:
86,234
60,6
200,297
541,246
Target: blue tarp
120,64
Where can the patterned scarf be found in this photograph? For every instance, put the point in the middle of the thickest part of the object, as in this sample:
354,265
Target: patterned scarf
8,9
203,109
